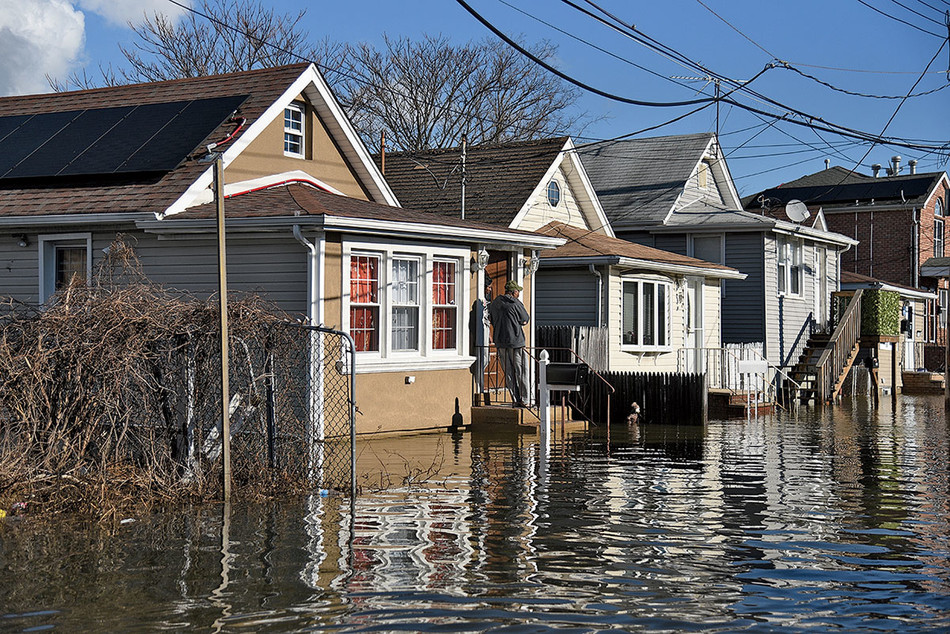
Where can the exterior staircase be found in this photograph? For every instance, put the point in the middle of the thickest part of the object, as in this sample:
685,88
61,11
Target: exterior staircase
826,360
806,372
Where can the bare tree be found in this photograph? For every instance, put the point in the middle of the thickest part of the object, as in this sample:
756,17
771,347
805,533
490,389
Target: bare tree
243,35
246,35
428,93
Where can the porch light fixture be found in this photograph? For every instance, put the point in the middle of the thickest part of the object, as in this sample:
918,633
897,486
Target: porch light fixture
24,241
531,264
481,262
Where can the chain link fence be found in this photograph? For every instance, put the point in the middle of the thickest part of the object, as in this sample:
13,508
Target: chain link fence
311,407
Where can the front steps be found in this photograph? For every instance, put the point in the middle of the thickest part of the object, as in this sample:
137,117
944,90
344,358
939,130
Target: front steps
725,404
805,372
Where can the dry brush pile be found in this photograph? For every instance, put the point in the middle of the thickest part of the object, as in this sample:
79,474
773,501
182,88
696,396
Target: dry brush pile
110,396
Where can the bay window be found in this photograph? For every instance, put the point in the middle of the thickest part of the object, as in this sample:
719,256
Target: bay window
645,314
403,304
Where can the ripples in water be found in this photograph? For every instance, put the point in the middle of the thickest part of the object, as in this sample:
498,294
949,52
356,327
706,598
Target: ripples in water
836,520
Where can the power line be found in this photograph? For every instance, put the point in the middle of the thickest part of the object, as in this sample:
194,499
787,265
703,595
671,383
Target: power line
917,13
897,19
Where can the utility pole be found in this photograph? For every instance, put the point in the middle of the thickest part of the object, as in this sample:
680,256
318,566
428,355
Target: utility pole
223,309
464,147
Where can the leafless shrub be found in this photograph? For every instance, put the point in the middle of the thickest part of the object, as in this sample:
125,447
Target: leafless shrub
108,396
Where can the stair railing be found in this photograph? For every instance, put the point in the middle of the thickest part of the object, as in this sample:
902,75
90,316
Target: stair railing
721,369
831,364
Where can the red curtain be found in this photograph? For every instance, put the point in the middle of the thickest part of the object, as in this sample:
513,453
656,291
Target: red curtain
364,280
443,283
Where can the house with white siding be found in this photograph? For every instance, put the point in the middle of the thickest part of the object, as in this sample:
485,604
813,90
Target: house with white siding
312,225
675,193
645,298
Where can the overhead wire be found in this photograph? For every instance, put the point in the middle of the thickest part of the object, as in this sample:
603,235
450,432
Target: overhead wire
897,19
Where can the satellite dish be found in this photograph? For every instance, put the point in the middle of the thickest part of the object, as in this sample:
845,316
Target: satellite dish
797,211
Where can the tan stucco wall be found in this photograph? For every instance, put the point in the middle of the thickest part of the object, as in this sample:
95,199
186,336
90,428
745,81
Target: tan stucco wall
388,404
265,156
333,281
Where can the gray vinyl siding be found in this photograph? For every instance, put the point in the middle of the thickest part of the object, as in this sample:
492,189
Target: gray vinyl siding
743,307
274,266
18,269
565,297
674,243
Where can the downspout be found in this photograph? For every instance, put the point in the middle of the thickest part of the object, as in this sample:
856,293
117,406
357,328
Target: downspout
314,277
316,423
600,293
915,256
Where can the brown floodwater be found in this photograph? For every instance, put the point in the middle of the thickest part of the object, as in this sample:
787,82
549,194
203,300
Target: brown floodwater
832,520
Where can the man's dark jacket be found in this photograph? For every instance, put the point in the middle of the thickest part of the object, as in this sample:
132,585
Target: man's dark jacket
507,315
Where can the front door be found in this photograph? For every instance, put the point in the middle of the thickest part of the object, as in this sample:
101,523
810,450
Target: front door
497,274
910,362
822,294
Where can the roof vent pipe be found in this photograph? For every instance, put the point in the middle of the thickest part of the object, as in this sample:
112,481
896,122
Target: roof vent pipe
827,164
912,164
896,165
876,169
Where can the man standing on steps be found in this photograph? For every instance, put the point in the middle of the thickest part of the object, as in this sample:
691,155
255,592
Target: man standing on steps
508,318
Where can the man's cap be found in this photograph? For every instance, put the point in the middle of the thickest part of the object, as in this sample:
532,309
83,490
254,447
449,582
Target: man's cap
512,286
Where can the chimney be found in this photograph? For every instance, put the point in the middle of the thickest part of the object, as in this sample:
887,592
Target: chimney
827,164
876,169
895,165
912,164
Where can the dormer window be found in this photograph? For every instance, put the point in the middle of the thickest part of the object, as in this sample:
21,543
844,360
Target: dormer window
554,193
294,130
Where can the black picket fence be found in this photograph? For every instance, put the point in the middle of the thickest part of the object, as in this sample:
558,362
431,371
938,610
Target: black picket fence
666,399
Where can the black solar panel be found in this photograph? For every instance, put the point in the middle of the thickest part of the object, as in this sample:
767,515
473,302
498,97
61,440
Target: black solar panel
130,139
876,189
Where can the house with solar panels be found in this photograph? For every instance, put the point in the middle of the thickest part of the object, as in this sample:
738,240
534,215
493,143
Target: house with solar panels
898,218
675,193
622,307
312,225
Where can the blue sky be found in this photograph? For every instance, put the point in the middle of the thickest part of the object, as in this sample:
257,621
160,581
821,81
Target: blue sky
842,42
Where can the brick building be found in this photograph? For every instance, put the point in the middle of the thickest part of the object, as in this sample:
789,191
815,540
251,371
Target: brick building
898,219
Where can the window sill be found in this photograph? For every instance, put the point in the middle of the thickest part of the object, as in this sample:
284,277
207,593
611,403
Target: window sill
646,350
791,296
372,365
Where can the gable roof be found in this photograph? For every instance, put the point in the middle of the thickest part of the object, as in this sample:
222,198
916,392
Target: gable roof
589,245
840,186
499,178
267,91
639,180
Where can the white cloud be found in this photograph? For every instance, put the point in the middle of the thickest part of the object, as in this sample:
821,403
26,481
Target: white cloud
37,37
122,12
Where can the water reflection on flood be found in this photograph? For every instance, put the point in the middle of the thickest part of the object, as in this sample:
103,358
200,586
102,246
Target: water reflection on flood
836,520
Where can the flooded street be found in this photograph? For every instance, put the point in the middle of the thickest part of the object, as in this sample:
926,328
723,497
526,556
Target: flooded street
834,520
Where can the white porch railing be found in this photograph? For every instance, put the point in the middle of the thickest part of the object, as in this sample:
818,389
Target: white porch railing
722,369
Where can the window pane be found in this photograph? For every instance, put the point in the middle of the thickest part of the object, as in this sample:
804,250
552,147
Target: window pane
630,318
649,314
70,263
661,315
708,248
443,328
443,283
364,279
364,328
405,328
405,282
938,238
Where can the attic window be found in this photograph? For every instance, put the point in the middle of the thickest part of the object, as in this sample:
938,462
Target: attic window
293,131
554,193
704,175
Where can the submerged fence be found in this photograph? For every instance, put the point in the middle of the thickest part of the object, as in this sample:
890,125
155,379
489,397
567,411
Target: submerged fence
672,399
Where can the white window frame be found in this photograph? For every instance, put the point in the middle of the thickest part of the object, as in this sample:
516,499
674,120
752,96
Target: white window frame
939,226
386,359
942,313
667,322
417,283
290,130
46,246
790,252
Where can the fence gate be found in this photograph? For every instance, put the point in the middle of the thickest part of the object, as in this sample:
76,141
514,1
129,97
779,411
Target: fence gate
311,406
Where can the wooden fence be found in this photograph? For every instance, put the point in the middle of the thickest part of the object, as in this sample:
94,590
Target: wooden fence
588,342
668,399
